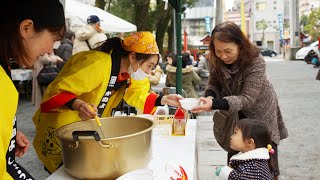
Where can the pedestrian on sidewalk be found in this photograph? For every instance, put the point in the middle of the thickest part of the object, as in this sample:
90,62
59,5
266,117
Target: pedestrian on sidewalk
252,139
236,64
28,30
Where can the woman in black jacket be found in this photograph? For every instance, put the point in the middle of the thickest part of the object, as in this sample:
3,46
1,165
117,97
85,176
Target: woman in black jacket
65,49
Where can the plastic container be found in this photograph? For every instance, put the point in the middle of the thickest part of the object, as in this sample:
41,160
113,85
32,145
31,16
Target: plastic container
179,123
164,124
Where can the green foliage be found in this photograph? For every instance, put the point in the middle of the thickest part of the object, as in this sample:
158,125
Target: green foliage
147,15
303,20
262,25
312,26
123,9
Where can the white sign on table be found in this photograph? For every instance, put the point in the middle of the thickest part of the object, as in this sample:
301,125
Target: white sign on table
177,149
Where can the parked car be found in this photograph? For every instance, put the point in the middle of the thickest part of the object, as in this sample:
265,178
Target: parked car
301,53
268,52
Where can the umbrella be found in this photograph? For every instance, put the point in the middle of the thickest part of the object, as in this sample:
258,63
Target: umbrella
78,12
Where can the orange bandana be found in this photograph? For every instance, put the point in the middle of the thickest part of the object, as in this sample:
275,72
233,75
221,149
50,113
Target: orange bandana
141,42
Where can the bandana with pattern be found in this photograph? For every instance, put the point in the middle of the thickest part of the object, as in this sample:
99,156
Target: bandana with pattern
141,42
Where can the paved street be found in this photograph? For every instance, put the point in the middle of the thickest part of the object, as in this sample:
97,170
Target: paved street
298,93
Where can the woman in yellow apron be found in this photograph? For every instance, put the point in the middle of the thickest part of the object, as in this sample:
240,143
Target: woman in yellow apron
97,78
28,30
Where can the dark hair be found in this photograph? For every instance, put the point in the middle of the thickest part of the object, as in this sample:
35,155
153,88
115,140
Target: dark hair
258,131
69,35
11,45
171,55
48,15
230,32
115,45
185,59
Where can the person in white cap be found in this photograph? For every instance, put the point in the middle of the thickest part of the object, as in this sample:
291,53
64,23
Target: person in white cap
90,36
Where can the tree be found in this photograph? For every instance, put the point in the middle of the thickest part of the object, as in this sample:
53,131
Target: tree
262,25
312,26
100,4
303,20
146,16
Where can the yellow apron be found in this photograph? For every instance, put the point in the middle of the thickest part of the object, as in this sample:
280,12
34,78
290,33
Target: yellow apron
8,106
86,75
9,168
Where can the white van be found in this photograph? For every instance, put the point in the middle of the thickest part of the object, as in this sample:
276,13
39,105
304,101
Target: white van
301,53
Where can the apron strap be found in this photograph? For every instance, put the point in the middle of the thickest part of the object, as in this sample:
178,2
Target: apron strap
115,69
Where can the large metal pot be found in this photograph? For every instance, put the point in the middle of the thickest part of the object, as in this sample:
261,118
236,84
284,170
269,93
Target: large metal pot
126,147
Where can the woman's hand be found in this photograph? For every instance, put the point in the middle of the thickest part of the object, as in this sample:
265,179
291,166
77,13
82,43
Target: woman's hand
22,144
204,105
171,100
85,111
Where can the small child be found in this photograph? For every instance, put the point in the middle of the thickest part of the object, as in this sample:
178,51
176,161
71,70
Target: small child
251,137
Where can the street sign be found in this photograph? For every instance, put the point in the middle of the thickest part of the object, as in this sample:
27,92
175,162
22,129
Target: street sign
280,19
203,47
207,20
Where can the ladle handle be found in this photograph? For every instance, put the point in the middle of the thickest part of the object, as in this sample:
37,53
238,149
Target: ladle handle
96,117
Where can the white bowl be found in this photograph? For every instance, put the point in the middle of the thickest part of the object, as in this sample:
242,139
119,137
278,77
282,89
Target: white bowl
139,174
189,103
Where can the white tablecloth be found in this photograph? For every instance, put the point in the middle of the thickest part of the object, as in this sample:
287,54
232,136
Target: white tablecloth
177,149
21,74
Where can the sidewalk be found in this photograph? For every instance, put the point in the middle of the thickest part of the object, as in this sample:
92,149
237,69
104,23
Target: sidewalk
210,154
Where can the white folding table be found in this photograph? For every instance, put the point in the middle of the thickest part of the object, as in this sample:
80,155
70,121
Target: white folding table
177,149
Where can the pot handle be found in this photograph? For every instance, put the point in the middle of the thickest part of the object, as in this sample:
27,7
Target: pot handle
76,134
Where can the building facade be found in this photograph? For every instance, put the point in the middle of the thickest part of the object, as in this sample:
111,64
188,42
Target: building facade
198,21
306,6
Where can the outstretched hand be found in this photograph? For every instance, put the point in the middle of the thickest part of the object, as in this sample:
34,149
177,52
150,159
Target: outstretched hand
204,105
171,100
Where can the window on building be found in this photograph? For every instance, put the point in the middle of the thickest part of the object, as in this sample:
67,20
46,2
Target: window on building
261,24
260,6
259,43
197,27
204,3
270,44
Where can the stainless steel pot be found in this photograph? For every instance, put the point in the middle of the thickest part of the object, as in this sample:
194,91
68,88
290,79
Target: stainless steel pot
126,147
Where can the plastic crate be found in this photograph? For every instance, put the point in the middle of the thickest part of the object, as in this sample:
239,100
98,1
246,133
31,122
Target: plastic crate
164,124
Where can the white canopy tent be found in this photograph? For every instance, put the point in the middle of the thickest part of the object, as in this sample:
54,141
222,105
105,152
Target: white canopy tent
77,14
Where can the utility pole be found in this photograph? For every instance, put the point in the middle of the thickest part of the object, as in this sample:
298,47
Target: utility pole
174,32
219,11
294,28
